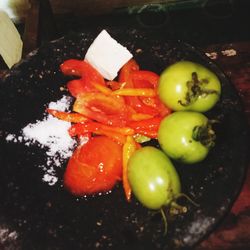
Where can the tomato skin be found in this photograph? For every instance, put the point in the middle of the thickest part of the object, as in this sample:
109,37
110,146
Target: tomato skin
153,178
175,136
173,87
92,168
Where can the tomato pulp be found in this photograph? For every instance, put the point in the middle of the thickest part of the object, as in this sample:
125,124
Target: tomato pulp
94,167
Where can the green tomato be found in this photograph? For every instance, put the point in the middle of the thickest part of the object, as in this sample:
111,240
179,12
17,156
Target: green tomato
186,136
153,178
187,85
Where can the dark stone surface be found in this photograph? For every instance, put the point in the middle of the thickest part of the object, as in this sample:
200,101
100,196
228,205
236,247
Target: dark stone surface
47,217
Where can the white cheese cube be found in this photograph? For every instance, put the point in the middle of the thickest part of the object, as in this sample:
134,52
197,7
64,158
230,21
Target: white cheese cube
107,56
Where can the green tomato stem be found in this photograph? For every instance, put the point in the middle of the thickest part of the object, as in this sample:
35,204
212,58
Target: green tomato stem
205,135
180,195
165,222
195,89
177,209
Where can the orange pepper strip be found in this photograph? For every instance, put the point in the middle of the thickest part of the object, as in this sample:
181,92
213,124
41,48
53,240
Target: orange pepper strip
93,127
129,148
140,116
68,117
103,89
147,92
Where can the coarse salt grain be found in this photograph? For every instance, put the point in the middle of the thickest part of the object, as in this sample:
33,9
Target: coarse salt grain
52,135
62,105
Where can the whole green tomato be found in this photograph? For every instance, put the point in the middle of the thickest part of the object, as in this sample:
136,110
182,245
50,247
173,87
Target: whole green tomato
153,178
186,136
186,85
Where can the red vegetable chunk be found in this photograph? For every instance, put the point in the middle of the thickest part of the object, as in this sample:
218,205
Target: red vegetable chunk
94,167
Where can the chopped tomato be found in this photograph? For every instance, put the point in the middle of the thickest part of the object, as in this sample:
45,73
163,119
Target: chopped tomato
93,168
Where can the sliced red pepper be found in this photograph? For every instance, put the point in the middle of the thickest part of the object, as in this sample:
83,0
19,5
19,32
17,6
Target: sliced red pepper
125,77
103,108
148,127
140,107
103,89
125,73
135,78
146,78
115,85
94,127
117,137
110,114
116,133
156,105
150,124
76,86
88,75
83,69
68,117
147,133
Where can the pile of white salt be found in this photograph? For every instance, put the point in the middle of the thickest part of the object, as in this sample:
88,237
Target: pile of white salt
52,135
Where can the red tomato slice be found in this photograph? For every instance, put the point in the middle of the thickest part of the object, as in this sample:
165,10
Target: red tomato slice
94,167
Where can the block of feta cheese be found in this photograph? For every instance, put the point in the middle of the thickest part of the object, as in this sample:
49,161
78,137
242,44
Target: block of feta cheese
107,56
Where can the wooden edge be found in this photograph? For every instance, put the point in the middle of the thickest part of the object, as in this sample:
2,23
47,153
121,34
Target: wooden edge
31,30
